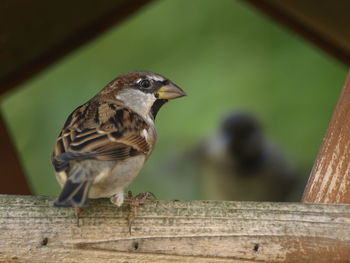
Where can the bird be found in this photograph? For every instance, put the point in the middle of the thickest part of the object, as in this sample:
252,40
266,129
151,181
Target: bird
105,142
238,162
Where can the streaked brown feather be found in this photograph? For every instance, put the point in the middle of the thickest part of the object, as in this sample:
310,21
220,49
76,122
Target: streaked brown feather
103,131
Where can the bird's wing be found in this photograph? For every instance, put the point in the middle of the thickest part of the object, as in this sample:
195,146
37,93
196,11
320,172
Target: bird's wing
101,131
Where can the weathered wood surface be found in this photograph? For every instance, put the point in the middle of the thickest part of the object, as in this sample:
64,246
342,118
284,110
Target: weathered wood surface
329,181
31,230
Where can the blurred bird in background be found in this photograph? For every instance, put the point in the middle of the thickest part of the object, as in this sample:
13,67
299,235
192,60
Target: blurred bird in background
240,163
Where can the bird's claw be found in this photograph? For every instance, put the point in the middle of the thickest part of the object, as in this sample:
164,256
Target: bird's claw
134,203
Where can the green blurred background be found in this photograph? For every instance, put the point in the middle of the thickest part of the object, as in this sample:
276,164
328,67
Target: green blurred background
224,54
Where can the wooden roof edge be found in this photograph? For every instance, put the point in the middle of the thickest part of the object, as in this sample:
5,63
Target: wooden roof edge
88,33
300,28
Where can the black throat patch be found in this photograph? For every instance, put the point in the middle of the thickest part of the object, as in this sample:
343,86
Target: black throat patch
156,106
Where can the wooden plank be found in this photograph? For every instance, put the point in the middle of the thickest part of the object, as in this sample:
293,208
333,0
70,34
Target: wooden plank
32,230
35,33
13,180
323,22
329,181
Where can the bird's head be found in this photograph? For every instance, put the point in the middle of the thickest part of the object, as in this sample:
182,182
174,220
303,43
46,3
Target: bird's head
243,133
142,91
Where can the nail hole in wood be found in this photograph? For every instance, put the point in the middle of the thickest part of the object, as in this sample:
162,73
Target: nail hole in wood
44,241
135,245
256,247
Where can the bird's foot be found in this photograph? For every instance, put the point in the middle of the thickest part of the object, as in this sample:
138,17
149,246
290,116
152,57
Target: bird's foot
134,203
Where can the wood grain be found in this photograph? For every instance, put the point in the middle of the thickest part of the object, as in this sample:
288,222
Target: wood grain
31,230
329,181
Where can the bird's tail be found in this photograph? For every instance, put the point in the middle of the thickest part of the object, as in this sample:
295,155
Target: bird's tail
75,191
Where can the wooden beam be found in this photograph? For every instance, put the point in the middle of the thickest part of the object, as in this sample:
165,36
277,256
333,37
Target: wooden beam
32,230
13,180
35,33
329,181
323,22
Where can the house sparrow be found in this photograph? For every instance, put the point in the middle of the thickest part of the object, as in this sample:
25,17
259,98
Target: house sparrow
104,143
239,163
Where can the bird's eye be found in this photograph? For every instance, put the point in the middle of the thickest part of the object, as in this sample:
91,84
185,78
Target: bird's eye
145,83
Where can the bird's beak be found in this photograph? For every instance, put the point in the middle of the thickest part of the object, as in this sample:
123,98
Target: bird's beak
170,91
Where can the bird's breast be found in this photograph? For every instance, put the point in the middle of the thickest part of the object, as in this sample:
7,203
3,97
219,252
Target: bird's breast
113,180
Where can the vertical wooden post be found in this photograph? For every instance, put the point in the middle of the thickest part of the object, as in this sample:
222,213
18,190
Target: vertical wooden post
329,181
13,180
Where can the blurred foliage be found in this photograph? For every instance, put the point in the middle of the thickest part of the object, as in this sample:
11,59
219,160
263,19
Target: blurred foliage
224,54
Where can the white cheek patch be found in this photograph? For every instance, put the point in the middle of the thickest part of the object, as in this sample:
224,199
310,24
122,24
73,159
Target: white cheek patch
137,101
150,99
